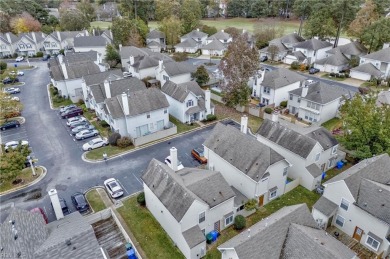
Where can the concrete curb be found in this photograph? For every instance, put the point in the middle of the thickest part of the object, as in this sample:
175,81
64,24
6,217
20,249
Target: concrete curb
28,185
83,156
48,94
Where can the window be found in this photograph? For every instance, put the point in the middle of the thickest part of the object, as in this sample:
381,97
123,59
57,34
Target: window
202,217
299,99
53,44
334,149
272,194
28,45
166,78
318,156
165,111
240,208
160,125
266,90
148,115
229,220
285,170
340,221
371,242
313,106
291,97
204,231
344,204
190,103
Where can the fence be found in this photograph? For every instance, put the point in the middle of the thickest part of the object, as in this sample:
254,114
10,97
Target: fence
156,135
291,185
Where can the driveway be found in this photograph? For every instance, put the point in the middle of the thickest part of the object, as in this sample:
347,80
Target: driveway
61,155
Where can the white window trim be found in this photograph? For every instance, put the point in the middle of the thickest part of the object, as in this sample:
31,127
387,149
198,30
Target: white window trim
270,194
379,243
346,201
334,149
340,217
317,155
203,212
231,222
285,171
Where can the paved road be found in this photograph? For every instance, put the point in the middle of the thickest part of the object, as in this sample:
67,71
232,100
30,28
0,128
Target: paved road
61,155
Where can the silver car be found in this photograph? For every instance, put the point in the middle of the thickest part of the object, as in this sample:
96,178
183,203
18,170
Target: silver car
86,134
78,123
68,107
74,119
77,129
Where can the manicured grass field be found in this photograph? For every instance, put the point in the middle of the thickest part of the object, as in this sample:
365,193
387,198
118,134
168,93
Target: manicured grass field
332,124
101,25
25,175
181,127
95,201
97,154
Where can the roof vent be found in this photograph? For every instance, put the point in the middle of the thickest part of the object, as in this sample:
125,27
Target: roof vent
365,204
322,243
380,190
74,248
67,242
220,192
214,199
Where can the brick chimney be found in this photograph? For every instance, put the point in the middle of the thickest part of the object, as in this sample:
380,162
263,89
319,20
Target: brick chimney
55,201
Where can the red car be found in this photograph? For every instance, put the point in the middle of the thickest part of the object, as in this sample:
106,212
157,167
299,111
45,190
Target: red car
72,113
40,211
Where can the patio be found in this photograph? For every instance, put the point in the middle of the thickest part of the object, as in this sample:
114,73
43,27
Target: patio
351,243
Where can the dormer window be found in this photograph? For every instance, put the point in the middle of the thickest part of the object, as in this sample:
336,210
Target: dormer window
190,103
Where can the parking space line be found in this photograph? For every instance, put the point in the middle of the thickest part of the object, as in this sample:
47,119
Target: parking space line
123,187
137,178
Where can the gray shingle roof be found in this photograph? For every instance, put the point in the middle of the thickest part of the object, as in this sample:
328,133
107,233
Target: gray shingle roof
277,43
100,77
181,91
117,87
322,93
368,68
313,44
214,45
194,236
188,43
127,51
383,98
353,48
297,143
308,242
291,38
143,62
299,55
90,41
155,34
267,237
337,59
155,44
140,102
178,190
381,55
324,137
325,206
221,35
242,151
195,34
240,198
77,66
314,170
178,68
281,77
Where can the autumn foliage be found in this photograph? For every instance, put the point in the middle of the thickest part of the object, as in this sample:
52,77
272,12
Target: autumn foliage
25,23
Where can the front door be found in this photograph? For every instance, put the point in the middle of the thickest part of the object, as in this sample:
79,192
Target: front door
261,200
330,221
216,226
358,233
323,168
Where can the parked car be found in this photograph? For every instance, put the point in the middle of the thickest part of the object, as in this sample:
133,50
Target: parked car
19,59
263,58
313,70
77,129
72,113
168,162
86,134
46,57
80,202
198,154
64,207
74,119
17,73
14,144
68,107
10,124
95,143
127,74
113,188
40,211
12,90
9,80
75,124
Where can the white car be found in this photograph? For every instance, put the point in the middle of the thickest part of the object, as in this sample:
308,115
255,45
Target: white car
113,188
75,119
86,134
14,144
19,59
19,73
95,143
127,74
168,162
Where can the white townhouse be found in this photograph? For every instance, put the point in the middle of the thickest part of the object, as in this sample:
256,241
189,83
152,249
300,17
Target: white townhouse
7,44
187,101
177,72
350,50
94,43
29,43
98,93
188,204
155,41
252,168
146,65
272,87
317,102
222,36
310,154
357,201
138,114
106,34
333,63
376,64
285,46
214,48
127,51
58,40
98,78
67,71
313,49
289,233
191,42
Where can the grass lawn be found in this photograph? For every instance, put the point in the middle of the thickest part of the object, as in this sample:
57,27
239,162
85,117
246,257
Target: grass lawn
96,154
296,196
95,201
332,124
182,127
25,175
334,171
151,237
101,24
332,77
104,131
58,102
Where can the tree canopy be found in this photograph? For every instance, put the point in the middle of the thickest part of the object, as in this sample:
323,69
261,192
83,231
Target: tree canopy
376,34
73,20
201,75
112,56
87,9
24,23
172,27
129,31
367,15
190,14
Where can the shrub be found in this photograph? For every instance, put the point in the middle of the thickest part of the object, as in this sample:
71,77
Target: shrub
342,76
332,74
62,51
80,102
39,54
141,199
283,104
302,67
364,90
3,66
295,65
268,110
55,90
10,115
124,142
250,205
57,99
180,56
15,55
104,124
211,117
239,222
113,138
